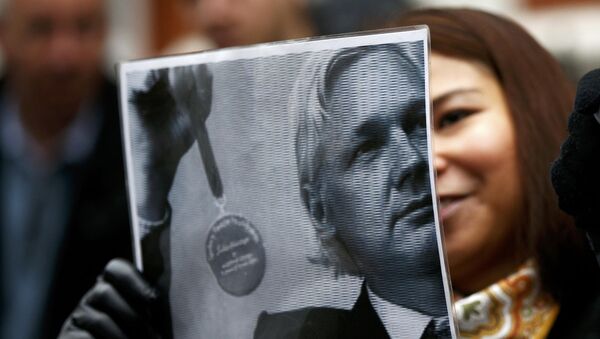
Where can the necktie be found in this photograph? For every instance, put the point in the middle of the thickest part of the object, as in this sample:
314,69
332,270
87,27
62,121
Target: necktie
437,328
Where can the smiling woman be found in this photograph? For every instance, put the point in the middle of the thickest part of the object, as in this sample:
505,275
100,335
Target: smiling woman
518,266
478,182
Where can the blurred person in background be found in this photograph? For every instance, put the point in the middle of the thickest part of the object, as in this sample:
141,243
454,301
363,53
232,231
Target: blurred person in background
243,22
226,23
63,211
193,38
341,16
519,267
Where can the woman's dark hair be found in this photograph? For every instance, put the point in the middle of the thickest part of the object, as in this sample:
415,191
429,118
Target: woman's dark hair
539,98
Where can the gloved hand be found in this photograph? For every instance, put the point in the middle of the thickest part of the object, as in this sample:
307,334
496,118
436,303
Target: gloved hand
121,305
177,101
576,173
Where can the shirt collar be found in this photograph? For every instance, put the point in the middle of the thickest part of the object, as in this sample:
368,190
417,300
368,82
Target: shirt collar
398,321
516,306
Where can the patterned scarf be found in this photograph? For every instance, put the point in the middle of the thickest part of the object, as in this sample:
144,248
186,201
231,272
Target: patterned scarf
515,307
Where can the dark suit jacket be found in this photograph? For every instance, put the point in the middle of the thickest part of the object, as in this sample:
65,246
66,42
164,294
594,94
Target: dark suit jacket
579,315
98,228
323,323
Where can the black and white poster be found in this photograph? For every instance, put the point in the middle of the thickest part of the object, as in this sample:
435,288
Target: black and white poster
286,190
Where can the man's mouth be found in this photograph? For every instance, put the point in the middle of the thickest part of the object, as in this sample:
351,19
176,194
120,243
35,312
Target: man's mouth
418,210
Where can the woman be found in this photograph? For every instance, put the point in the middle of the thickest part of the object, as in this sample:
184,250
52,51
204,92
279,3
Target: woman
518,266
500,103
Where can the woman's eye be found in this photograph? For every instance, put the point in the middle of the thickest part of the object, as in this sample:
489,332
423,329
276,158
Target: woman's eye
453,117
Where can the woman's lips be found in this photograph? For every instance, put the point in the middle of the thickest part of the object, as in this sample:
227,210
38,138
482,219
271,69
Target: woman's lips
449,206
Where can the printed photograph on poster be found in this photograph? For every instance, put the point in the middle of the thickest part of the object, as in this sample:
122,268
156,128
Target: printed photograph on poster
286,190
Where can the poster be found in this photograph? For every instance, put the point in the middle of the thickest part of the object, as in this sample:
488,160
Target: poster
286,190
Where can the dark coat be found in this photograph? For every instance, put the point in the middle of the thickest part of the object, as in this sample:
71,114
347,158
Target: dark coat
326,323
98,228
323,323
579,299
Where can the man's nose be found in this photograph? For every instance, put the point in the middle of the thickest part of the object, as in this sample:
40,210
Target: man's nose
410,166
63,50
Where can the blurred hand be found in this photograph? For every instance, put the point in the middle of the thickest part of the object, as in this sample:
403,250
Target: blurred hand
176,101
120,306
192,90
576,173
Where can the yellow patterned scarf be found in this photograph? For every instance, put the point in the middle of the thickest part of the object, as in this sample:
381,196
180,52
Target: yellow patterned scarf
515,307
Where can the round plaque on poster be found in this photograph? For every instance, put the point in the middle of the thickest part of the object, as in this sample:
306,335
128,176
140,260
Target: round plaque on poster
236,255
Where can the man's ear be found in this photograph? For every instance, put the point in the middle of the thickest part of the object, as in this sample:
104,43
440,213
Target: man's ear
314,204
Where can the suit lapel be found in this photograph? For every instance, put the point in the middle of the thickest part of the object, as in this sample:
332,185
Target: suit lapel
363,321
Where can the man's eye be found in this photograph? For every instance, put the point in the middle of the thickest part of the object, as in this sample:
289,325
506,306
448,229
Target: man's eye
86,26
453,117
40,28
366,148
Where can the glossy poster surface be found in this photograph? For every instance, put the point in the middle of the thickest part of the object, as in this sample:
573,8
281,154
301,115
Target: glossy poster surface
285,190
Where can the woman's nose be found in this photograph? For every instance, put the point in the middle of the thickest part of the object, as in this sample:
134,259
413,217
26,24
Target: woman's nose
440,161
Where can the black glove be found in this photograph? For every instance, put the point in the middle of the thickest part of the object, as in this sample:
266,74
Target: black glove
121,305
576,173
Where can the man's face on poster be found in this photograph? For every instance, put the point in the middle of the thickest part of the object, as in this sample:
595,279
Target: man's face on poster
375,182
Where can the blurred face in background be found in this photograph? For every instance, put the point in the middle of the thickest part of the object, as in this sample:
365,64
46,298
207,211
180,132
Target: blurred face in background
478,179
242,22
53,49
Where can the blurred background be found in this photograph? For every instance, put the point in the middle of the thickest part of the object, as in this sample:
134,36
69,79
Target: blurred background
148,28
62,196
568,28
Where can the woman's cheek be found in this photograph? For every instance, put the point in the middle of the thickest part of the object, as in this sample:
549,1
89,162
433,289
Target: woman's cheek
489,141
